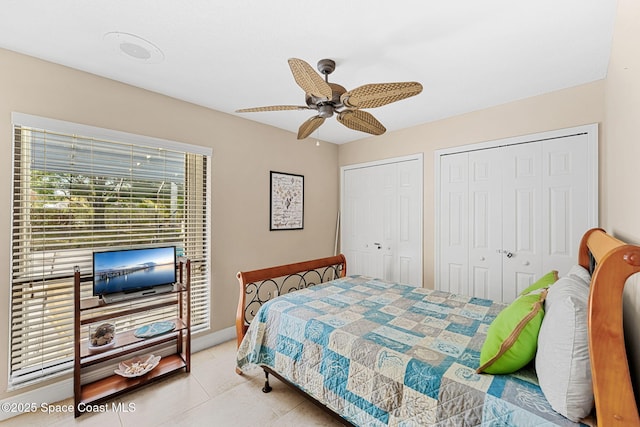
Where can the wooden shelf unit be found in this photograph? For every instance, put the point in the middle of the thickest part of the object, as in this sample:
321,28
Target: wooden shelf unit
93,310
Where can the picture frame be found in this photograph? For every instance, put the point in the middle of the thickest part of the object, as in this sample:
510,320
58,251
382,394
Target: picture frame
286,207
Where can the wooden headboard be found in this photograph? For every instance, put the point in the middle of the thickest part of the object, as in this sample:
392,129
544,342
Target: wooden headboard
259,286
615,262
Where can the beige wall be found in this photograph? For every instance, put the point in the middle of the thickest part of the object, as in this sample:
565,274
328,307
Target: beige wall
621,154
243,154
621,158
562,109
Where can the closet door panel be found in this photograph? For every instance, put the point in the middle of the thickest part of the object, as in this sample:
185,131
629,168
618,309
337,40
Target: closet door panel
523,222
358,220
485,224
385,229
454,254
566,200
409,233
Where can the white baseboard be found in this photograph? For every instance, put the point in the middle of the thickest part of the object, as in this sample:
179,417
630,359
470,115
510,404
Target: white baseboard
47,394
209,340
63,389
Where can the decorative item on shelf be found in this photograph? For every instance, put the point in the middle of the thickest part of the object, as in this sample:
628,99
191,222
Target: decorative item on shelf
102,337
155,328
137,366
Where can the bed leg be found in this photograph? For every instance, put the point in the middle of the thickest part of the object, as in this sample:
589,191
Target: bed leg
267,388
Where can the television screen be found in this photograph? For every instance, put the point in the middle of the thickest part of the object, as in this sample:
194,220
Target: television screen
131,270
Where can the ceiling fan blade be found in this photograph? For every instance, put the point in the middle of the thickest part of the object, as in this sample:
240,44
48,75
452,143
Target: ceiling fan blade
378,94
361,121
309,126
310,81
273,108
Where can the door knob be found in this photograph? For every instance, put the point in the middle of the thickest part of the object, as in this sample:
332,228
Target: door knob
507,253
378,245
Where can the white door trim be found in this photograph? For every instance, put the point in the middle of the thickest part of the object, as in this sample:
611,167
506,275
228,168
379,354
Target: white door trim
420,158
592,133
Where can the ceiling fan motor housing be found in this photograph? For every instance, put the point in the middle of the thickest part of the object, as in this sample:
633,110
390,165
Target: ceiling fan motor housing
325,110
321,104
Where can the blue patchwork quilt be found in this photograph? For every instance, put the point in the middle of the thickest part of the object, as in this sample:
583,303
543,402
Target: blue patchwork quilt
381,353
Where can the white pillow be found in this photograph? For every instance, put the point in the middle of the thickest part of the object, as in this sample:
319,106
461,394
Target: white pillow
562,360
579,272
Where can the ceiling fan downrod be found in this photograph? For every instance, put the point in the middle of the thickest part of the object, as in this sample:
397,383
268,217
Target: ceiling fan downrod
326,67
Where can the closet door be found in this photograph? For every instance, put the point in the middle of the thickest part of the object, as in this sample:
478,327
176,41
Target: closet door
511,212
567,202
545,209
384,230
382,220
490,216
360,219
523,223
491,206
485,224
408,255
454,224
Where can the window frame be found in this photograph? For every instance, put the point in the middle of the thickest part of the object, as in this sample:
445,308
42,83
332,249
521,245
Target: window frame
108,135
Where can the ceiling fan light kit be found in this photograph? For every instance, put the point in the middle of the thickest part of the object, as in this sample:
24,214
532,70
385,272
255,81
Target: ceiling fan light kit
331,98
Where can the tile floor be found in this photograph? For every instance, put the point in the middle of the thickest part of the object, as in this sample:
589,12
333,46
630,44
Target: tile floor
212,395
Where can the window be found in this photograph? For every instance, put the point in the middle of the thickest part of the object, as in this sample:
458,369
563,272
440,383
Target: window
77,189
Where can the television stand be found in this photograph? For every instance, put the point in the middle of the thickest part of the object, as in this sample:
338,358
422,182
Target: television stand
97,385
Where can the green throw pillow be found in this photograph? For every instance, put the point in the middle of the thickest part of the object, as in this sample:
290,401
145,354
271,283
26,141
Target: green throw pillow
512,337
544,282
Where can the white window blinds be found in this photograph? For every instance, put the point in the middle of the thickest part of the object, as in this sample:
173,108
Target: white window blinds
76,190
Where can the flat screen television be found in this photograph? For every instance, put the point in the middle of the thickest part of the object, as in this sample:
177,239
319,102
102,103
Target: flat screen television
129,273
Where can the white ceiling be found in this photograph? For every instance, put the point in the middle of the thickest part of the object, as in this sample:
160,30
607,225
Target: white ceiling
226,55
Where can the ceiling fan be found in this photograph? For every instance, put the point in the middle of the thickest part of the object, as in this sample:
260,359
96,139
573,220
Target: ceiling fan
329,98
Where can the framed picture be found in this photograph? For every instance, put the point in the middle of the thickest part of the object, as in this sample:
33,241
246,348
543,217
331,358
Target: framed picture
287,201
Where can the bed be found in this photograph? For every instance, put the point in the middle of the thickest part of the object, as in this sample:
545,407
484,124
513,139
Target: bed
375,353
